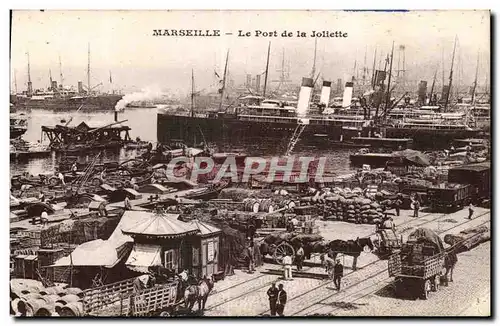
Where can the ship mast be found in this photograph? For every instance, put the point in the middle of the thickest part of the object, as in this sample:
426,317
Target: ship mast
475,80
313,71
388,96
433,83
60,72
364,68
30,85
192,93
267,70
223,82
50,79
88,71
15,81
373,71
451,76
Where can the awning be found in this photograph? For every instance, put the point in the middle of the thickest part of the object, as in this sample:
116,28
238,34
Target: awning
143,256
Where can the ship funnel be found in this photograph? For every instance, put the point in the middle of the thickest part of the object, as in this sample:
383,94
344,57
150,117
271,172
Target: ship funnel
304,96
422,91
54,85
325,93
257,83
346,101
80,87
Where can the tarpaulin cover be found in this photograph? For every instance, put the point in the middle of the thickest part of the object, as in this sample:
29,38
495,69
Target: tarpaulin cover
92,253
424,234
232,247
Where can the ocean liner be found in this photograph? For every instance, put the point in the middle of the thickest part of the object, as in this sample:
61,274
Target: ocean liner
57,97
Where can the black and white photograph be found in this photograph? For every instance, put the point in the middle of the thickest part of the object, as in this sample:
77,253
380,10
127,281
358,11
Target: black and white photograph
250,163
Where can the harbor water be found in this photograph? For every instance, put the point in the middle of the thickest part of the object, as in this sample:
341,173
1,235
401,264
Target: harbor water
143,123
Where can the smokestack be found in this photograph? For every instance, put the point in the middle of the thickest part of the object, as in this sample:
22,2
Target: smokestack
80,87
422,91
30,88
339,86
346,101
304,96
257,83
54,85
249,80
325,93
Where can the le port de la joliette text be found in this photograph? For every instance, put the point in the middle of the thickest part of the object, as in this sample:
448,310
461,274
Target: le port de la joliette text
244,33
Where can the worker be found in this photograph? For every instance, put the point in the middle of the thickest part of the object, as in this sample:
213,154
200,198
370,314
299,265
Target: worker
329,265
299,257
338,273
61,177
295,223
251,259
127,204
41,197
388,223
102,210
281,302
44,217
397,206
287,267
272,294
416,207
471,211
74,168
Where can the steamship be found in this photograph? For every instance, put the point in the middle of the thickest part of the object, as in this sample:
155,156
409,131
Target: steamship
273,121
57,97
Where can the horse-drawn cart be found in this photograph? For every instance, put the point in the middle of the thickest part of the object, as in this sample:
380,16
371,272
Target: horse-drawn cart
122,299
419,266
387,241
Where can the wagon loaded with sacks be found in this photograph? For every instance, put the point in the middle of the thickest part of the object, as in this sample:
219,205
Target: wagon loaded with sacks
420,265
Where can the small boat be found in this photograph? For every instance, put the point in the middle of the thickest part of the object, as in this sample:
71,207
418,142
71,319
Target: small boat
211,192
136,145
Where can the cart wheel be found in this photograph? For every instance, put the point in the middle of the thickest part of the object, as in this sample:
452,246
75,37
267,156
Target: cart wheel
427,290
282,250
436,283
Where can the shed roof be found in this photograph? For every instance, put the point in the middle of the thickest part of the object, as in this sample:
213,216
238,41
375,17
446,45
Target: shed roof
160,225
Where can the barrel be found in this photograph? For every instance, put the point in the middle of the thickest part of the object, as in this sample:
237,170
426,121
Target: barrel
69,298
75,291
72,309
40,307
251,205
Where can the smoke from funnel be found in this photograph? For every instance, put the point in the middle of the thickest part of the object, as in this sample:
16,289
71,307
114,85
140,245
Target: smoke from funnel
346,101
146,94
304,96
325,93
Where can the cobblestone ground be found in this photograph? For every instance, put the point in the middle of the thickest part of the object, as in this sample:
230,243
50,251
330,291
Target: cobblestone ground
365,291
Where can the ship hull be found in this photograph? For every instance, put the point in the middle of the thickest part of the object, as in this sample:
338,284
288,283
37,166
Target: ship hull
234,131
16,132
431,138
105,103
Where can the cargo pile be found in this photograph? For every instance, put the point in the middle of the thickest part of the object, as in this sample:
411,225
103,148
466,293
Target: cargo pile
352,206
31,298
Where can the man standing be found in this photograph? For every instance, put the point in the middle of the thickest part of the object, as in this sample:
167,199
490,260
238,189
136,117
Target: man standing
397,206
281,302
416,207
251,262
299,257
295,223
287,267
272,294
127,204
328,263
338,273
61,177
471,211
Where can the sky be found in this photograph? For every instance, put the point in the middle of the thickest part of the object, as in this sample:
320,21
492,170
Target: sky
122,43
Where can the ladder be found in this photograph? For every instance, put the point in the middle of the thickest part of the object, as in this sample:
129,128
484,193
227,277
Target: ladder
295,138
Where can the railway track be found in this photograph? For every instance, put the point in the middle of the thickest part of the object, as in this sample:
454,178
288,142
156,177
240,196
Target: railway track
266,284
371,277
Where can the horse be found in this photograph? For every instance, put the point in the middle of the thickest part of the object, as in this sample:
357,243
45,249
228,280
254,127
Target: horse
450,260
198,293
351,248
